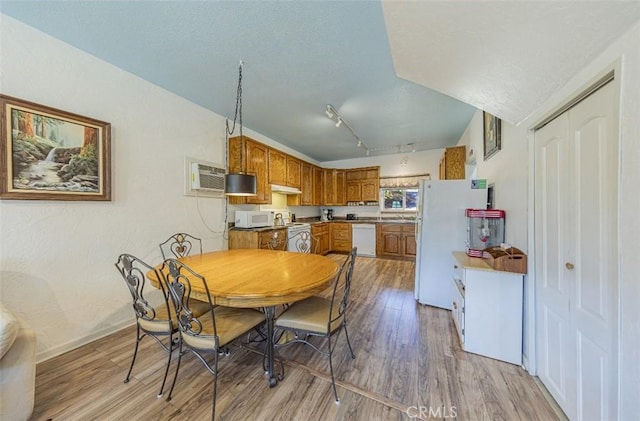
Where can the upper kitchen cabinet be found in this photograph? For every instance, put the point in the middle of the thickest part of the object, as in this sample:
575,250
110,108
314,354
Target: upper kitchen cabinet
307,186
293,172
334,187
250,157
277,167
452,163
318,186
363,184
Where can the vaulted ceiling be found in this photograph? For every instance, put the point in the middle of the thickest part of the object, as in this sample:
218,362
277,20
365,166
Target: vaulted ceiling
402,74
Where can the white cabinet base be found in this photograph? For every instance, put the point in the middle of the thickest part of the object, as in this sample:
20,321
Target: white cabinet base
489,313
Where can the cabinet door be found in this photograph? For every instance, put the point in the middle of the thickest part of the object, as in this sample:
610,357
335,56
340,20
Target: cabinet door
325,246
455,160
353,191
317,186
257,157
293,172
329,187
307,184
409,241
340,187
273,239
391,243
370,190
277,167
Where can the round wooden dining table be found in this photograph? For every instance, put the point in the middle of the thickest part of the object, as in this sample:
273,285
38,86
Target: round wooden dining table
249,278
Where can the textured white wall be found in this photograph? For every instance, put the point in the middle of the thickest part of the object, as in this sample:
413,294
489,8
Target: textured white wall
507,171
56,265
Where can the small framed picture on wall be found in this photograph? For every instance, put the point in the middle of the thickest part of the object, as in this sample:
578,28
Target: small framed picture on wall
492,135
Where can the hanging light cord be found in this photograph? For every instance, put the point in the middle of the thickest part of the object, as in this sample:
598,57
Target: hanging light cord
238,114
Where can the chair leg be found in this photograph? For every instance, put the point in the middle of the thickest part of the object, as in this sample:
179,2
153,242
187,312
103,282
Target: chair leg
215,387
333,380
346,333
177,369
135,353
166,370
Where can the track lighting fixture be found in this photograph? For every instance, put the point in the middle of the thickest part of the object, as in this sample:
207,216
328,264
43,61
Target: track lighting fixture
359,143
339,122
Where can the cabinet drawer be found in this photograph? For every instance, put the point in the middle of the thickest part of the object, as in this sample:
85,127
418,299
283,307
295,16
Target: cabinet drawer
458,273
341,245
342,235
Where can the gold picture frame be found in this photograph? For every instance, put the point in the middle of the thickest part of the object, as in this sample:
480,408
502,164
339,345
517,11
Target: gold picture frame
50,154
492,139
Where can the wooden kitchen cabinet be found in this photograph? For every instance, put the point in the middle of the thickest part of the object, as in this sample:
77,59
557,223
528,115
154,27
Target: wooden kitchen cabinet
277,167
293,172
363,184
396,240
340,233
452,163
306,186
318,186
334,187
275,239
250,157
320,232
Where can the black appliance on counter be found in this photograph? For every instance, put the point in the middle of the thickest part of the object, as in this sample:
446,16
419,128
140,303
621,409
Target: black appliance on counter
352,217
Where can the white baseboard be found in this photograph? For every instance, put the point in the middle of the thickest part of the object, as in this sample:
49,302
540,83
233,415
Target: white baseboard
76,343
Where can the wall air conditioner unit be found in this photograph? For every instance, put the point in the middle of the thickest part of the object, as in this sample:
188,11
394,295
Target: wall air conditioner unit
203,178
207,177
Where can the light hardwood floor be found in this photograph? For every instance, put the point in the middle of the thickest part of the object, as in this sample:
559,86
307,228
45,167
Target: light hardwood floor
408,365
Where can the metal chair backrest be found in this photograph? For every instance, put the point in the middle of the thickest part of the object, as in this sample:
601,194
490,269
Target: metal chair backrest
180,280
340,294
304,242
180,245
134,272
276,241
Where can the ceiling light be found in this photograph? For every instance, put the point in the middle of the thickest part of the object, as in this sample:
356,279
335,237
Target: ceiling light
359,143
368,152
339,122
329,111
238,184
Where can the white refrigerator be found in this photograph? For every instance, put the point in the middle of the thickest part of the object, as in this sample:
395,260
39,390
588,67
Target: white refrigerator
442,228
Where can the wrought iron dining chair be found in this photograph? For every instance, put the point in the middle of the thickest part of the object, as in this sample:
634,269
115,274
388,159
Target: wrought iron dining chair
209,333
320,317
304,242
180,245
157,321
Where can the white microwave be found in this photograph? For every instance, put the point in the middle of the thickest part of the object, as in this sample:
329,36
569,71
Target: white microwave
254,219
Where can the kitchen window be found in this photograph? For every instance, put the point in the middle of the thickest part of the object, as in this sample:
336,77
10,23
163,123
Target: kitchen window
399,199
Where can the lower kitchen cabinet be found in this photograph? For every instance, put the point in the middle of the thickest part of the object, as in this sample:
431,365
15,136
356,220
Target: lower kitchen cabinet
275,239
487,309
396,240
320,233
340,233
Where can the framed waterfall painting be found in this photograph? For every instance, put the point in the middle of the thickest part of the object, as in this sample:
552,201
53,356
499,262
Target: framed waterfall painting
49,154
492,135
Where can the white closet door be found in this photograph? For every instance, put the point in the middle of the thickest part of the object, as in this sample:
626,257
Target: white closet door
576,257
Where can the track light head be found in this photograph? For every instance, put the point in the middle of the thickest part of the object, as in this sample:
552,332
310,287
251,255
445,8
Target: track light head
339,122
330,111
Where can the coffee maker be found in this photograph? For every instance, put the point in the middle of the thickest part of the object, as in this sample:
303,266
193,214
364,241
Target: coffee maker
329,214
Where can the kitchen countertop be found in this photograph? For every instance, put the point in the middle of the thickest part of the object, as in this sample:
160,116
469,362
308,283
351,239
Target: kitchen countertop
313,221
363,221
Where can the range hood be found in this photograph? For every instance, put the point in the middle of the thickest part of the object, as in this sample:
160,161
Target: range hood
284,189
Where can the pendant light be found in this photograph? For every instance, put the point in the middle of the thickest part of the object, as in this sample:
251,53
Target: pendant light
239,184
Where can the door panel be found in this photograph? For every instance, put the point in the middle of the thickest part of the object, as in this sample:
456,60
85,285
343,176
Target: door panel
576,256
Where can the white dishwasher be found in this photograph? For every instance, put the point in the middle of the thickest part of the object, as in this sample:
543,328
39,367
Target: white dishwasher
364,237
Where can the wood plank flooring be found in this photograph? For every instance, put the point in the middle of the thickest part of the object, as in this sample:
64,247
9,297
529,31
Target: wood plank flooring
408,365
